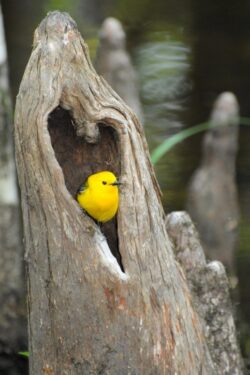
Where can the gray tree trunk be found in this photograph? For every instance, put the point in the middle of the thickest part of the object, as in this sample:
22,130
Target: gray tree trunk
12,310
88,314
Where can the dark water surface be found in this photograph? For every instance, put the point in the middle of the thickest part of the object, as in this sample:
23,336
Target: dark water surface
186,53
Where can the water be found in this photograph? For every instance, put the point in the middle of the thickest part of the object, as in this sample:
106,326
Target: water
163,65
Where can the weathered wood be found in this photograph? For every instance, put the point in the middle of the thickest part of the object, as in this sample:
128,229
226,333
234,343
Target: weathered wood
87,316
13,333
209,286
212,196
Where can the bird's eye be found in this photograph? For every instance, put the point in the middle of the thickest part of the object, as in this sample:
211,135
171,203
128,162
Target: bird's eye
104,182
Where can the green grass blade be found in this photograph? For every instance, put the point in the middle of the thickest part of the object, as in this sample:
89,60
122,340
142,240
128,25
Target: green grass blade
170,142
24,354
164,147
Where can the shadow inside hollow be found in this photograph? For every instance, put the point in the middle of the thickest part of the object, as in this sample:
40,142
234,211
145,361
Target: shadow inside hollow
79,159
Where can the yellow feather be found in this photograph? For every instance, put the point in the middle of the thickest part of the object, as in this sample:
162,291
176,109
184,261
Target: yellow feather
99,196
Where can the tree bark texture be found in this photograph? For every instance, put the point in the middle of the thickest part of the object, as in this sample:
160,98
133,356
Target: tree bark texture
91,312
12,311
209,286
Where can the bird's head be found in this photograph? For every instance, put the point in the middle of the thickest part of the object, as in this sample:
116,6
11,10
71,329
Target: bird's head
102,179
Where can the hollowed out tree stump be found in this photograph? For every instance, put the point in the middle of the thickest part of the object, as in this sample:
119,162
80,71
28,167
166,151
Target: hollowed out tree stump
92,312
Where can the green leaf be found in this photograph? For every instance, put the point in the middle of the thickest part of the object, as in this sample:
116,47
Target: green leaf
24,354
170,142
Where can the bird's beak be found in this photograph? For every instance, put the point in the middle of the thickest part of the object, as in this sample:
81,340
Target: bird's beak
117,183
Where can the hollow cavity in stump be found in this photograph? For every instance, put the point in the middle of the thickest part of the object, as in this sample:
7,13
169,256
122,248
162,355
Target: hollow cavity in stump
79,159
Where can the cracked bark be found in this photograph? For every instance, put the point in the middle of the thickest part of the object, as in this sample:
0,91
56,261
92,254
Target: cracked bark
87,316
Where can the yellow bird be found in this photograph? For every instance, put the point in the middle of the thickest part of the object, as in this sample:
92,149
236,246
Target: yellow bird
99,196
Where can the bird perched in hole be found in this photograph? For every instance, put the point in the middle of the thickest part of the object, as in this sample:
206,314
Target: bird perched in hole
99,196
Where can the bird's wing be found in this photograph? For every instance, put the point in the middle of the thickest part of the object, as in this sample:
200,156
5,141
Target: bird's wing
81,189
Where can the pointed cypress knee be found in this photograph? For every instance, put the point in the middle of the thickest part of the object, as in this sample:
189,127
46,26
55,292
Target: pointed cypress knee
212,198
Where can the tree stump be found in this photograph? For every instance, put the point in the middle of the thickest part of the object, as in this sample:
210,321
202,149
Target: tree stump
87,314
209,286
114,64
212,197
